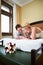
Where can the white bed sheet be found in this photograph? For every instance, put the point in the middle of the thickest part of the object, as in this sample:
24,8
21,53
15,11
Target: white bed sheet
24,44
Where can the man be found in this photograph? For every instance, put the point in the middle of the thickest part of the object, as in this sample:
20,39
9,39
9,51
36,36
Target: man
18,33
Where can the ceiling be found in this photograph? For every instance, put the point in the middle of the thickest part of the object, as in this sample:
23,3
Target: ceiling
21,2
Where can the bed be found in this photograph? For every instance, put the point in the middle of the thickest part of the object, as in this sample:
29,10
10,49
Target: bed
28,45
26,50
24,44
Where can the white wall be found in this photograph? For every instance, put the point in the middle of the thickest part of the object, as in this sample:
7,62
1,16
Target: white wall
14,18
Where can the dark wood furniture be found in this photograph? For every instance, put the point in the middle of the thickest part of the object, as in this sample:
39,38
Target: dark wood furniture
38,24
37,60
21,58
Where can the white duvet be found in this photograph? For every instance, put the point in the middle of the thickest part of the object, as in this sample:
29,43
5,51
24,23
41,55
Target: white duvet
24,44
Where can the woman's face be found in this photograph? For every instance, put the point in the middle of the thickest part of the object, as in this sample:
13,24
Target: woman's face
27,30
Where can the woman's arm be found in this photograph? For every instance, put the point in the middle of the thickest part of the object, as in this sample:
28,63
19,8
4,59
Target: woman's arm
33,33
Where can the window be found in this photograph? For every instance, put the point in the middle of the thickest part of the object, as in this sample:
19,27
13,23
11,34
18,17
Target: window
5,8
6,18
5,24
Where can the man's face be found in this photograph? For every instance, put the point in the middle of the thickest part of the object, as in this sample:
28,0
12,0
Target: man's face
19,29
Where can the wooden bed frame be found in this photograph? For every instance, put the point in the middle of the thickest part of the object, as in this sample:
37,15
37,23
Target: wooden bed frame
35,60
38,24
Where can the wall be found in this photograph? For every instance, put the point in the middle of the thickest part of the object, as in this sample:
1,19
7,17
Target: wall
16,16
18,9
32,11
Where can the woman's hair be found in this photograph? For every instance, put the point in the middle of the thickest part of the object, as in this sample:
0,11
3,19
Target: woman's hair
27,25
18,26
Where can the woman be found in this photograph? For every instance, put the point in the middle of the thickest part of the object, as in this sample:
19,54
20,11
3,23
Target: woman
29,32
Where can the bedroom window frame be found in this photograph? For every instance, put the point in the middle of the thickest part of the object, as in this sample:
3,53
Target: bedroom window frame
10,15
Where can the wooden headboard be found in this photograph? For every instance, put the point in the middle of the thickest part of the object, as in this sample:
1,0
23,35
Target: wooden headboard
37,24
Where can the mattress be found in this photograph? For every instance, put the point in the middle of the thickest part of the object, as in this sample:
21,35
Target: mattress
24,44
